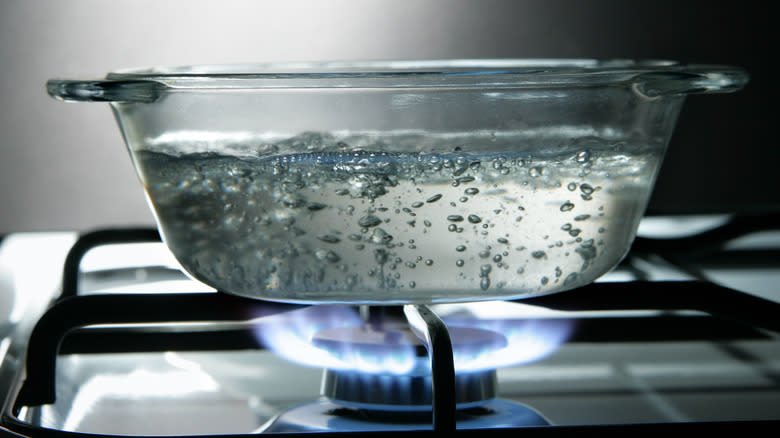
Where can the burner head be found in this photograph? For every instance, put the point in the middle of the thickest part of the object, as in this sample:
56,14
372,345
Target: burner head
389,392
388,341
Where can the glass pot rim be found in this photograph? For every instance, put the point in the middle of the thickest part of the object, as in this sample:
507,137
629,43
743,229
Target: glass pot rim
651,78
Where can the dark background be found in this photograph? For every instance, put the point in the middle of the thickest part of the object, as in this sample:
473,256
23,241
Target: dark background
63,166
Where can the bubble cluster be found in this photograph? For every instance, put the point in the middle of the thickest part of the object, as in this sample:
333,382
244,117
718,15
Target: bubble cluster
333,223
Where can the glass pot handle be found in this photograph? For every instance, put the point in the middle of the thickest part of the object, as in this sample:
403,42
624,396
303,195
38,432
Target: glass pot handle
690,80
105,90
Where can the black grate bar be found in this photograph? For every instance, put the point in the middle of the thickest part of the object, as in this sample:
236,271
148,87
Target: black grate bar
667,295
75,312
433,333
88,241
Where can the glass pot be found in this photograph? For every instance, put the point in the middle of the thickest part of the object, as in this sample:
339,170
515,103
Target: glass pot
400,182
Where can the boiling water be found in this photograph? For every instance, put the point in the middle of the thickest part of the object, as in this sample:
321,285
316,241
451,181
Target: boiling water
367,226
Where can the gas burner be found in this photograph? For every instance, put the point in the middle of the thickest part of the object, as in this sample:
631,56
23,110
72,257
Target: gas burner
387,341
354,400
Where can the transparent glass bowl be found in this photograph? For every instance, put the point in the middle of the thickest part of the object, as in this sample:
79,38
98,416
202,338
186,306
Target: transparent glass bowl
400,182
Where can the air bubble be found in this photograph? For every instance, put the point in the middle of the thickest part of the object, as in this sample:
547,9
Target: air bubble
497,258
428,262
503,240
538,254
471,191
327,256
587,189
329,238
567,206
545,280
380,237
583,156
427,223
459,263
369,221
484,283
582,217
452,227
455,218
566,226
572,186
460,248
315,206
418,204
474,219
434,198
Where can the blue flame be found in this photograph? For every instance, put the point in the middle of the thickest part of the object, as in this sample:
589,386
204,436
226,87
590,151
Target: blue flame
528,340
290,336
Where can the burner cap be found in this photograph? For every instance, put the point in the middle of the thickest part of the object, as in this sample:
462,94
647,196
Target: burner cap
384,392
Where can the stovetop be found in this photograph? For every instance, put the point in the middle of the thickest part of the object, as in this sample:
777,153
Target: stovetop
685,332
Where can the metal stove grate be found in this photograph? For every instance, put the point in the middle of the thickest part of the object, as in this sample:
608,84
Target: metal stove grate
72,325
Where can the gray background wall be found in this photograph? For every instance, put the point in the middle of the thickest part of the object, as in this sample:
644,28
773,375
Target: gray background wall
63,166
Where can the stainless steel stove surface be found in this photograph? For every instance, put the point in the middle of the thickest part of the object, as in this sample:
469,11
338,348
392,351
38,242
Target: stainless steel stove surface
649,344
